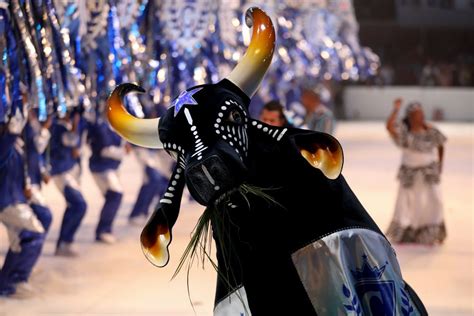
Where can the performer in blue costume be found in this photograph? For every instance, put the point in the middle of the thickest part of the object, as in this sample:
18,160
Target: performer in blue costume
65,171
36,138
156,166
25,231
108,150
36,141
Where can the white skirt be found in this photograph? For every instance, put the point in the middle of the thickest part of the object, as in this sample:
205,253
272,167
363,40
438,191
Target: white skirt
418,216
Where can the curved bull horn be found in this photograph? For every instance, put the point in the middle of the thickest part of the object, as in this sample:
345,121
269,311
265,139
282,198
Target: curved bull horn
249,72
141,132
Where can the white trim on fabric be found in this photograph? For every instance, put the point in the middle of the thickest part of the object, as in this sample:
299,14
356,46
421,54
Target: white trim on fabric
70,139
41,140
235,304
69,178
107,181
113,152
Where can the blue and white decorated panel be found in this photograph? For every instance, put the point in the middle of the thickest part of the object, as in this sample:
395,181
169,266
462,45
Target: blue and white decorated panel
363,269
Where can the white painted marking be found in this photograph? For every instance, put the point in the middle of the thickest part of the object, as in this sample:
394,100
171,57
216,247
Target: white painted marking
198,147
281,134
188,116
166,201
208,175
199,151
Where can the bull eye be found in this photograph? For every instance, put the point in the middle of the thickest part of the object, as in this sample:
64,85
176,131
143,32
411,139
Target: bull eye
235,117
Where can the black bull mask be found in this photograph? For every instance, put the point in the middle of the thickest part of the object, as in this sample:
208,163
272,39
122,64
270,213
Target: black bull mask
207,129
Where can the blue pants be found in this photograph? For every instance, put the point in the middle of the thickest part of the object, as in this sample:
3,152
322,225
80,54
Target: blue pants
43,213
109,211
75,211
18,265
156,185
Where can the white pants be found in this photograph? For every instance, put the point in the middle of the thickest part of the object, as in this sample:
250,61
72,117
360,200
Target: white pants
16,218
107,181
37,196
69,178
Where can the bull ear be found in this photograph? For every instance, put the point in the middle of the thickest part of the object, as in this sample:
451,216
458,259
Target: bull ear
157,233
321,151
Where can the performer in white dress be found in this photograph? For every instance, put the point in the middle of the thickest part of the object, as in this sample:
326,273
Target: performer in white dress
418,216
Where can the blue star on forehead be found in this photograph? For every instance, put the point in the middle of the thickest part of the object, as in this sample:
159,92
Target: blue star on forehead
186,97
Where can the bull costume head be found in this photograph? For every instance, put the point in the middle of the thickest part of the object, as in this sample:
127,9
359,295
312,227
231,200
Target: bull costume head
309,240
206,130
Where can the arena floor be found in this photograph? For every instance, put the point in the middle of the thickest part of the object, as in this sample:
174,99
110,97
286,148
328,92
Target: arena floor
117,280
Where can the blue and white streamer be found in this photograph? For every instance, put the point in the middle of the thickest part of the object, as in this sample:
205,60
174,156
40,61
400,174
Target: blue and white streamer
72,53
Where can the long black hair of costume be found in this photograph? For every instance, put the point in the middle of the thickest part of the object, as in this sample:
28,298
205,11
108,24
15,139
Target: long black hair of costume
199,247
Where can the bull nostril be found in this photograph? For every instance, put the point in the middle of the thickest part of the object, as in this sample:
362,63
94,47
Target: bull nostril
209,177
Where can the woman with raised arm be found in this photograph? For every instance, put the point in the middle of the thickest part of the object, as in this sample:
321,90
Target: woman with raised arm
418,216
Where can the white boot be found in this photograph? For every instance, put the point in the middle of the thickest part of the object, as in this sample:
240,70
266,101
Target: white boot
65,249
106,238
